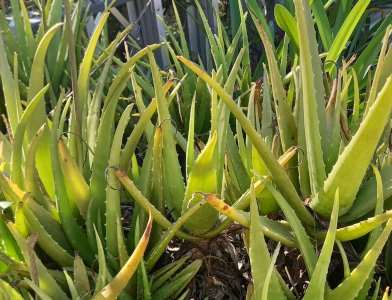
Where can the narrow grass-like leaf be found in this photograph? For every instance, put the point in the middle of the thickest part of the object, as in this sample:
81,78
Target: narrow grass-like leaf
345,32
287,23
160,276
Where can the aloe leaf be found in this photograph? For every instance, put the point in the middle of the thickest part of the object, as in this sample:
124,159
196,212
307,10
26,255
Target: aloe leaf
375,233
31,179
260,259
48,222
102,269
366,199
272,229
77,187
160,246
26,119
278,174
287,23
113,187
184,45
9,292
345,32
102,152
146,205
84,74
313,97
382,67
318,282
175,185
28,32
141,126
269,274
203,178
239,170
94,108
72,230
9,246
286,121
71,286
223,118
244,200
216,47
120,281
304,243
348,172
47,242
257,11
8,87
20,32
81,281
351,286
36,82
190,149
360,229
46,282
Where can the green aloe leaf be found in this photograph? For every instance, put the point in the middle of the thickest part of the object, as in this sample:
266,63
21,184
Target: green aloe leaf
278,174
46,282
351,286
313,97
36,82
318,282
113,212
260,259
174,182
350,168
203,178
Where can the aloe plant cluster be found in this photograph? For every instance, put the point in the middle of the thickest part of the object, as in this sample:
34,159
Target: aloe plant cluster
305,134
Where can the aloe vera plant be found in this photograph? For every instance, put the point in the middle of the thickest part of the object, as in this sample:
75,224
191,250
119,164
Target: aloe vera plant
65,175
